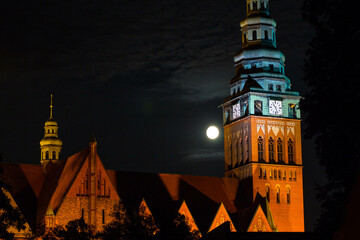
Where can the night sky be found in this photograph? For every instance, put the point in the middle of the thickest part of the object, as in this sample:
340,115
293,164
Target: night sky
146,76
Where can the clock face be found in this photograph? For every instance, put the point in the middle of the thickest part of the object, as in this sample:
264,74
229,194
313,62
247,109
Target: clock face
236,110
275,107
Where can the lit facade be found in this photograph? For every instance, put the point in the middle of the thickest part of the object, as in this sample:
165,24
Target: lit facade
262,132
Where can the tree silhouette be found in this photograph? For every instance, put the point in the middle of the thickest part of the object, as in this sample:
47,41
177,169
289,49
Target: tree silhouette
331,105
140,225
9,215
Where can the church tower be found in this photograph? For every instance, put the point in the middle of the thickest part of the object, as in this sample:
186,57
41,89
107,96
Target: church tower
50,145
262,132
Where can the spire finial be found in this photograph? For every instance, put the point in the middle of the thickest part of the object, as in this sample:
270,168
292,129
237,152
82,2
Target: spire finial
51,106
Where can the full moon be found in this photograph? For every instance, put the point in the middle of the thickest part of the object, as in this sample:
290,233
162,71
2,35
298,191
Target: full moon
212,132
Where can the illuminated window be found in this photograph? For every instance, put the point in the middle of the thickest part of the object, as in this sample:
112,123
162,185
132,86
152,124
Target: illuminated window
270,173
258,107
271,150
254,34
280,150
260,149
290,151
260,172
288,195
292,110
278,194
267,190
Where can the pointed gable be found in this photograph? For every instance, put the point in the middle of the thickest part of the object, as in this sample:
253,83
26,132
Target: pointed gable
259,222
184,210
221,217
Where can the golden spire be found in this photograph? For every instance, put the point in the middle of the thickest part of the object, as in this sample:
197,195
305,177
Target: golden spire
51,106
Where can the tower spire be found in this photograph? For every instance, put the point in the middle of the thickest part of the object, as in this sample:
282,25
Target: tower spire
51,144
51,106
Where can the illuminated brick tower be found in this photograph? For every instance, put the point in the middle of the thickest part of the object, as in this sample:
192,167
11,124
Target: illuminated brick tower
50,145
262,133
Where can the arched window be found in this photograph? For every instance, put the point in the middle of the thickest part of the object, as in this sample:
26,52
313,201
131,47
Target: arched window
270,173
271,150
260,172
260,149
288,195
275,174
47,155
254,5
278,194
53,155
266,35
248,7
279,173
280,150
262,6
291,151
254,35
267,190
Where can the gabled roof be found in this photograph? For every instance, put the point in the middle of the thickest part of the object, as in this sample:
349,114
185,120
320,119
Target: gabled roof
26,181
58,181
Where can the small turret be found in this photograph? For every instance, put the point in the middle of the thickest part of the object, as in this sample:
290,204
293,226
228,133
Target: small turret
50,145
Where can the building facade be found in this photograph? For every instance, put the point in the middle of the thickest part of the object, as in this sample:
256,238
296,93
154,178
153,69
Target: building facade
262,189
262,132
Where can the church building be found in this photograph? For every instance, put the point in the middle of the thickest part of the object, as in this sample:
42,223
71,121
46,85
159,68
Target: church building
262,187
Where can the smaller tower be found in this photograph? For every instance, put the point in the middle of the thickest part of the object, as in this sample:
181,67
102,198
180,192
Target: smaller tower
50,145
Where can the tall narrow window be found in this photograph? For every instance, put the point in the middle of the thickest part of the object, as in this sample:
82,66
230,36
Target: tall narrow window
288,195
82,213
254,5
236,157
241,154
264,172
258,107
260,149
279,173
292,110
280,150
267,189
245,39
266,35
271,150
275,174
260,172
103,216
230,155
47,155
270,174
274,39
262,7
254,34
53,155
278,194
290,151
